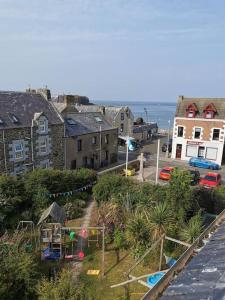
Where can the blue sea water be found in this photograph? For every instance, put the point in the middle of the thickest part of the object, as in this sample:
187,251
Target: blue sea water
160,112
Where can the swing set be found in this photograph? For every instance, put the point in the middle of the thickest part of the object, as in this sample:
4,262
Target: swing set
58,242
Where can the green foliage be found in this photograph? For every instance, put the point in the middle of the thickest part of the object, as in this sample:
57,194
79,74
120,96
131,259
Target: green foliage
64,288
138,234
192,229
160,219
18,274
179,193
72,211
109,186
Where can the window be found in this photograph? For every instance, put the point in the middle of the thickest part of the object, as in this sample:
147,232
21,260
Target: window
42,126
44,164
94,140
43,146
191,151
216,134
106,155
85,161
106,139
79,145
209,114
18,150
180,131
122,116
211,153
197,134
99,120
201,151
121,127
191,114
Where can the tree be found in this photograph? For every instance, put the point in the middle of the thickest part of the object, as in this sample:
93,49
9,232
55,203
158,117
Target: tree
179,193
138,233
65,287
192,229
119,241
160,219
18,276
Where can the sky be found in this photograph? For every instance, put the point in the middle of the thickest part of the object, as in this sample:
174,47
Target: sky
114,49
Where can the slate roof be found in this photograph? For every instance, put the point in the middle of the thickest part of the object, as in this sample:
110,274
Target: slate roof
23,106
204,276
110,111
85,123
55,212
201,103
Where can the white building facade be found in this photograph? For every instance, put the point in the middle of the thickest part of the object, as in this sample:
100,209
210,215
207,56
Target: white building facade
199,127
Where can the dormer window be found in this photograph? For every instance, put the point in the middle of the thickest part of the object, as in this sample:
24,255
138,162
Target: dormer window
209,111
42,126
191,110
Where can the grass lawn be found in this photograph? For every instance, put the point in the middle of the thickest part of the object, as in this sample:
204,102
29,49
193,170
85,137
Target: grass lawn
100,287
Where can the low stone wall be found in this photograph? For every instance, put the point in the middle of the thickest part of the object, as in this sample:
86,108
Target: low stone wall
118,169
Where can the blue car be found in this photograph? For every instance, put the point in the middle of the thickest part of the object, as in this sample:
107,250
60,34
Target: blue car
203,163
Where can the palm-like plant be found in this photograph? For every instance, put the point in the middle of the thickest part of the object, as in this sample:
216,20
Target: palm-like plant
192,229
160,219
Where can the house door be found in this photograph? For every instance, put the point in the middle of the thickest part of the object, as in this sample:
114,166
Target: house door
201,151
178,150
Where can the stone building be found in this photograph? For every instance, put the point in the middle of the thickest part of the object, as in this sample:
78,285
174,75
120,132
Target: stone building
31,133
119,117
199,128
84,131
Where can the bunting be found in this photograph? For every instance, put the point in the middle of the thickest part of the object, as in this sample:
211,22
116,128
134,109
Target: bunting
70,193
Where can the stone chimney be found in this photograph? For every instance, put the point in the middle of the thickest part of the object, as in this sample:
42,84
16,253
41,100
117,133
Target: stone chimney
46,93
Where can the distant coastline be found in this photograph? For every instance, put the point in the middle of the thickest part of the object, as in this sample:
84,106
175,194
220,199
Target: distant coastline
157,111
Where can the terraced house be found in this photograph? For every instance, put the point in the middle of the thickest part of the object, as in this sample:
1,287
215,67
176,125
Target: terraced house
199,127
31,133
90,140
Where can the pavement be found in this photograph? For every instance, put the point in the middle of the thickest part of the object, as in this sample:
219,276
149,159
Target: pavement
150,152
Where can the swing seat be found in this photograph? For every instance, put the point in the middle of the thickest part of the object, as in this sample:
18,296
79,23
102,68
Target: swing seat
69,256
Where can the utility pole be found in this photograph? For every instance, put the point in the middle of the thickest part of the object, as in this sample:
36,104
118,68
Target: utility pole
100,147
168,140
157,163
127,157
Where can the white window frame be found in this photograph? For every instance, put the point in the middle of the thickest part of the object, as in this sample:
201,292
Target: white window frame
209,114
196,148
18,153
43,144
94,140
178,131
42,126
201,132
207,148
213,132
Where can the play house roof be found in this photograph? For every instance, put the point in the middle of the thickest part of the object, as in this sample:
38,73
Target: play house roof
55,212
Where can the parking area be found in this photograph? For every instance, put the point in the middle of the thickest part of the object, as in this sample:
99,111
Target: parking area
150,171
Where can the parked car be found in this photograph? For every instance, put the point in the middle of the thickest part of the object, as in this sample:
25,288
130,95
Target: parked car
165,173
203,163
211,180
164,146
195,177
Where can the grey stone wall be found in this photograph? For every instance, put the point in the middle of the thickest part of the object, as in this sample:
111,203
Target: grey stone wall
55,153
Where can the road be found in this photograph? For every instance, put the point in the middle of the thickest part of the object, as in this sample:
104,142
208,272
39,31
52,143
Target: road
151,152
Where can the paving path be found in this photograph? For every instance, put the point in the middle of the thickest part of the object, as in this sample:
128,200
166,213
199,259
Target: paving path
81,243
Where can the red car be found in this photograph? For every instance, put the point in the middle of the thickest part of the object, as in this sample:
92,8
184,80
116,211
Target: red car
165,173
211,180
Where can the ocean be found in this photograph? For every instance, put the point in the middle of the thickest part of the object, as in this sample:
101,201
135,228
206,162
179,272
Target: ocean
150,111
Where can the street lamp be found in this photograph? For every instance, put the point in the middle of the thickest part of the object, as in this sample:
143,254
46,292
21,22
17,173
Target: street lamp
168,140
127,157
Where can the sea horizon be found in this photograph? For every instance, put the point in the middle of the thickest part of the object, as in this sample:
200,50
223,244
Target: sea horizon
151,111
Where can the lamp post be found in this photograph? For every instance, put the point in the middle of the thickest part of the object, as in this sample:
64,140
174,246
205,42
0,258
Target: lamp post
168,140
127,157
